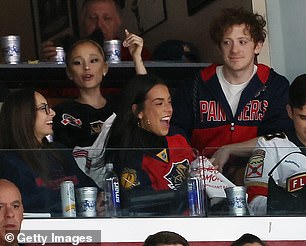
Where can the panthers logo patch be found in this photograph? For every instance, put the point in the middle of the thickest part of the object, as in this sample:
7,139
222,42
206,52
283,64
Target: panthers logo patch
256,164
177,174
129,178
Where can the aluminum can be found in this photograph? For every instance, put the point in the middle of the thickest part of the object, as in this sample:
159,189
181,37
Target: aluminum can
86,201
60,55
112,50
68,199
236,197
10,49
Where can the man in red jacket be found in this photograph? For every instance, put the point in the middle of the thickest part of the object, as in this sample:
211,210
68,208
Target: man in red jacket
226,107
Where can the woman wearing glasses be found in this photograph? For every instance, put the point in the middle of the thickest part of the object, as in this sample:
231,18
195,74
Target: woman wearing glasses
36,166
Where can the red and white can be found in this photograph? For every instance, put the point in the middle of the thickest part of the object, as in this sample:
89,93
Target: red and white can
68,199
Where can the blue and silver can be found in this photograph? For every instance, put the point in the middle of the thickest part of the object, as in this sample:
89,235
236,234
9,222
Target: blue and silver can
112,50
68,199
237,200
60,55
86,201
10,49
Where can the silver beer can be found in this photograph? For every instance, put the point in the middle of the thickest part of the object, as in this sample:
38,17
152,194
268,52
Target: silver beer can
237,200
86,201
10,49
112,50
60,55
68,199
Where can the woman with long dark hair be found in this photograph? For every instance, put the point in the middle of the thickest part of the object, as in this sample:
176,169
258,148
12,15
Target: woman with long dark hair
149,162
28,159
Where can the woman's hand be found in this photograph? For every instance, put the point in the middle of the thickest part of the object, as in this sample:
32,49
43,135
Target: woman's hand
134,43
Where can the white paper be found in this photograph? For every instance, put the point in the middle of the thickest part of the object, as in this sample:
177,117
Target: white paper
91,159
215,182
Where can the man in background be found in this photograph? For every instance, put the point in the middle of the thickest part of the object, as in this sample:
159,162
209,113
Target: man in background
227,106
283,156
100,21
11,212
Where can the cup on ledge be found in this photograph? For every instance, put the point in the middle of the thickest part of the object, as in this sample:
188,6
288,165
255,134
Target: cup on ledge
112,50
10,49
86,201
236,197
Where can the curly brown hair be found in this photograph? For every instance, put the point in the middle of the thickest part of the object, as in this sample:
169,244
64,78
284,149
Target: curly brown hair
229,17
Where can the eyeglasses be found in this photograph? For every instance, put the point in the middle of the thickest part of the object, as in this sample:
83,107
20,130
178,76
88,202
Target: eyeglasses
45,107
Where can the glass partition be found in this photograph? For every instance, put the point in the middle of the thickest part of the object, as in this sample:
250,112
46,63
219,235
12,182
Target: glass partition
157,182
273,179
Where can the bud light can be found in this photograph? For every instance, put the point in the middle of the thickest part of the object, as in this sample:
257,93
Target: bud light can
10,49
68,199
86,201
60,55
112,50
237,200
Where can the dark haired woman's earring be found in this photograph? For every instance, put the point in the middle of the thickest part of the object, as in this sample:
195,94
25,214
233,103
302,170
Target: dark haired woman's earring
138,124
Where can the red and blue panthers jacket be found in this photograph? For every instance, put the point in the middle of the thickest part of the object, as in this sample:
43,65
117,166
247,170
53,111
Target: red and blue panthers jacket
202,113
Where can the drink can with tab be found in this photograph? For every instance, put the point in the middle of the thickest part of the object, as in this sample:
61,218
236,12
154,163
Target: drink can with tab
237,200
10,49
68,199
112,50
60,55
86,201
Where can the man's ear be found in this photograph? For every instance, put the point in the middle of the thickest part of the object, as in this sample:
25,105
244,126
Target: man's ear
258,48
289,111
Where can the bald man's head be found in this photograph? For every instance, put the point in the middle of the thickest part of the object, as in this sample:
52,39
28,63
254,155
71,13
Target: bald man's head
11,208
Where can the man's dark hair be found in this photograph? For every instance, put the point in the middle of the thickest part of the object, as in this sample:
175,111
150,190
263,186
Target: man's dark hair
165,237
247,238
237,16
297,92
